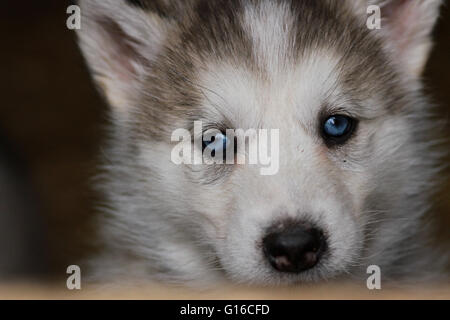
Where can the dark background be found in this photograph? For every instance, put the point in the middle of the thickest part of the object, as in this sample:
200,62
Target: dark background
52,116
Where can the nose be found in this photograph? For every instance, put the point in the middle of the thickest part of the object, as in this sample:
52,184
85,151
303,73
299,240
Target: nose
294,248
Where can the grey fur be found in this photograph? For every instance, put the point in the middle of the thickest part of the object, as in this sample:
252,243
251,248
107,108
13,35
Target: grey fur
157,63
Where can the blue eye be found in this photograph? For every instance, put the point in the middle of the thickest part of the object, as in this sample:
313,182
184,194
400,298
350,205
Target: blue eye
338,127
218,143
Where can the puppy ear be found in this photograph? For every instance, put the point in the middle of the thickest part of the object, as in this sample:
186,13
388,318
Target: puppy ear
119,39
407,26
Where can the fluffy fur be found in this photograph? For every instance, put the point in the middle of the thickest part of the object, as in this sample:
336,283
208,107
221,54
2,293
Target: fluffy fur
278,64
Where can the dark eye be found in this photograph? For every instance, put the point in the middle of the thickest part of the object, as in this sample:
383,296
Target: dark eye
338,128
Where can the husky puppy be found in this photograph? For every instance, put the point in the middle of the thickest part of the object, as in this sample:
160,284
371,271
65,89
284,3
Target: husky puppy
356,154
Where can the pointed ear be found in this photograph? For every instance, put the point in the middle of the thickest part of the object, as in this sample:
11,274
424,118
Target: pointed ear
119,39
408,25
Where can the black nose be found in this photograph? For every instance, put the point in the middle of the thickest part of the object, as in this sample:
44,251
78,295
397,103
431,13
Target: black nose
294,248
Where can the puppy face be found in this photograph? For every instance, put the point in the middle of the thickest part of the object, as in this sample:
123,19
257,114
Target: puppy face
312,71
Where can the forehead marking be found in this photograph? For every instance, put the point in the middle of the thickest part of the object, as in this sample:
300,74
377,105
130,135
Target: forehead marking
269,24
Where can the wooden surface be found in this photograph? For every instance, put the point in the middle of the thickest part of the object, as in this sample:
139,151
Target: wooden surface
330,292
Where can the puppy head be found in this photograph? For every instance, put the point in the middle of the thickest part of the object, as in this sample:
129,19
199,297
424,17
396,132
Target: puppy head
342,97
